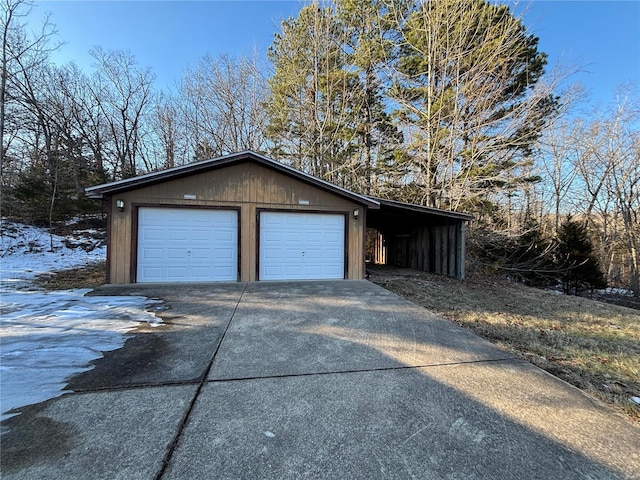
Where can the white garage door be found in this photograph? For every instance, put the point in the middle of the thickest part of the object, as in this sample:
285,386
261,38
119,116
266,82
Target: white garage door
301,246
187,245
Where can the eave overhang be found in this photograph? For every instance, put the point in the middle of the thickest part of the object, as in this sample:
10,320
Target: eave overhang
113,188
420,209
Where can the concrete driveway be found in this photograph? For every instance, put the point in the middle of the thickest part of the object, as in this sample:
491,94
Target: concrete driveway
313,380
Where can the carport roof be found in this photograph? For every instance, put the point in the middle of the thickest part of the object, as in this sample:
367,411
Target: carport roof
407,208
108,189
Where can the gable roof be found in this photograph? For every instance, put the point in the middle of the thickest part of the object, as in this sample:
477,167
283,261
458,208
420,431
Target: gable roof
112,188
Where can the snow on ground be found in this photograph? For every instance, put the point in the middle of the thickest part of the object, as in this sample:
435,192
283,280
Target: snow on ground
25,253
46,337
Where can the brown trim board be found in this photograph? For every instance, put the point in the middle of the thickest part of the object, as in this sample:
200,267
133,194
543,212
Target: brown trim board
107,267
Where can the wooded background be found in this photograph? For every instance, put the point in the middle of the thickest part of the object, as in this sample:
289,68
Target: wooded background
444,103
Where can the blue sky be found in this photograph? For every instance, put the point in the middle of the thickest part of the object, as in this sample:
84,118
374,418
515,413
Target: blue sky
602,37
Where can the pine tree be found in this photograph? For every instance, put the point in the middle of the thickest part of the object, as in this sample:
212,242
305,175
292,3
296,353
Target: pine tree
368,45
311,108
577,259
465,86
327,112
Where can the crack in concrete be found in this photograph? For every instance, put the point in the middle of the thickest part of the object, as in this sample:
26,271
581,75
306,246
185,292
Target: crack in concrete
365,370
202,381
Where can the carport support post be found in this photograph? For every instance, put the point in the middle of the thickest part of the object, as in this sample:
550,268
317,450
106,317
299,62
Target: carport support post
461,250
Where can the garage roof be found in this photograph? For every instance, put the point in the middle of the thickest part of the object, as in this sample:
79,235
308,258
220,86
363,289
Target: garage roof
108,189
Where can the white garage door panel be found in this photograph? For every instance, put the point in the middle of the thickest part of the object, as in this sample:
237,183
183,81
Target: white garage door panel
152,271
176,273
153,234
301,246
153,253
187,245
174,235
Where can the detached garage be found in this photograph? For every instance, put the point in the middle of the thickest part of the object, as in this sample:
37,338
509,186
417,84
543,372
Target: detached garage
245,217
242,217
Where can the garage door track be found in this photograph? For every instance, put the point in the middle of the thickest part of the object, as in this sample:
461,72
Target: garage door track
330,379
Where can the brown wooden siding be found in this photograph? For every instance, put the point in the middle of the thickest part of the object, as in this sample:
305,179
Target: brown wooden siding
436,249
247,186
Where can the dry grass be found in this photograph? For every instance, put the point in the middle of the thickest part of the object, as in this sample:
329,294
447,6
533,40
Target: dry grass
87,277
592,345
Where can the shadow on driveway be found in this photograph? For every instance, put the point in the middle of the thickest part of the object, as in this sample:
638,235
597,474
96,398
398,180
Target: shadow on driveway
314,380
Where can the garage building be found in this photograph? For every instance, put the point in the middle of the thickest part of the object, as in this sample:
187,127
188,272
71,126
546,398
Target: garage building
246,217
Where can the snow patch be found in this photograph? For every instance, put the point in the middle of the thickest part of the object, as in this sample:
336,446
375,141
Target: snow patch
616,291
47,337
27,251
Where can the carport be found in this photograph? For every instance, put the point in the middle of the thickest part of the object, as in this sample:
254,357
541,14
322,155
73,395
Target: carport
413,236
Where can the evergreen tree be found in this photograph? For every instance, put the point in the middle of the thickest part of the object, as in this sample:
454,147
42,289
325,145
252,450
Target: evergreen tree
311,107
463,90
465,78
577,259
327,111
368,44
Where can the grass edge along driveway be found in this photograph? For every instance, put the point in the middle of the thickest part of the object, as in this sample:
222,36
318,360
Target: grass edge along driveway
592,345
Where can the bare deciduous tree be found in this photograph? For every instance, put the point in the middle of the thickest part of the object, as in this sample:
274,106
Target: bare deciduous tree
122,91
614,143
558,166
171,148
21,54
593,171
89,124
223,105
